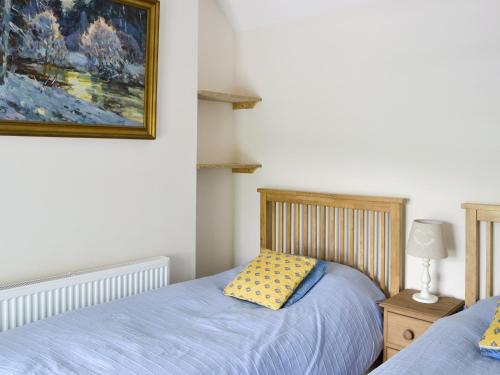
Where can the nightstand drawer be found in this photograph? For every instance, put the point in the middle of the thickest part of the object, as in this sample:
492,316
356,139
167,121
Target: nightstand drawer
390,352
403,330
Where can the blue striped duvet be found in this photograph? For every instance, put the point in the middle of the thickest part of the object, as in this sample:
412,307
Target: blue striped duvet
192,328
450,346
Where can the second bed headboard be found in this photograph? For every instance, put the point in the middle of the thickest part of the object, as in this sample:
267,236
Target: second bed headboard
363,232
474,215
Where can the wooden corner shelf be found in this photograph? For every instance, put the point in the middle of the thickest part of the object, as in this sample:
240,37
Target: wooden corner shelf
238,101
235,167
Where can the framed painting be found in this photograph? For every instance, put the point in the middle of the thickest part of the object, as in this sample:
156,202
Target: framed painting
79,68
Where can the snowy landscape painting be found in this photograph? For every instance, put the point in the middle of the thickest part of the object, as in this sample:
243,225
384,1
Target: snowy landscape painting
78,67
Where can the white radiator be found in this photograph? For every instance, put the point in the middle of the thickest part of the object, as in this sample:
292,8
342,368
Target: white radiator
27,302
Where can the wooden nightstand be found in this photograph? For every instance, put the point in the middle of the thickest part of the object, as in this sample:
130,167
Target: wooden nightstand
405,319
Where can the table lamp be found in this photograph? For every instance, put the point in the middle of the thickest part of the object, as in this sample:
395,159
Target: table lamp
426,242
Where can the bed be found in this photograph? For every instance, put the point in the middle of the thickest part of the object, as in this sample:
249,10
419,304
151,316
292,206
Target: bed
450,346
192,328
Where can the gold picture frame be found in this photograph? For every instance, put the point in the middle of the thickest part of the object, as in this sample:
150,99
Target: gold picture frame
21,127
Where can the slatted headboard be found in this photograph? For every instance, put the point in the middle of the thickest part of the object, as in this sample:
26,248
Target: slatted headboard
475,214
363,232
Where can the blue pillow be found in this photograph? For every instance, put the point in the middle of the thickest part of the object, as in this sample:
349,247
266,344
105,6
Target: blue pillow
308,283
491,353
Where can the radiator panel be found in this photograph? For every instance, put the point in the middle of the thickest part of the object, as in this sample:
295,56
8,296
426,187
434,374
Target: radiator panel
25,303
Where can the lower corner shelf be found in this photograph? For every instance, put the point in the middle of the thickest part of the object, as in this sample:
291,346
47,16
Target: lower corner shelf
235,167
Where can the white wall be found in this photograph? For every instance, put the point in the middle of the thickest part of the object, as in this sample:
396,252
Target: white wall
216,138
66,204
396,98
248,15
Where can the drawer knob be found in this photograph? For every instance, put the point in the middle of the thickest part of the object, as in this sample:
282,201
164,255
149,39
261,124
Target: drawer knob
408,335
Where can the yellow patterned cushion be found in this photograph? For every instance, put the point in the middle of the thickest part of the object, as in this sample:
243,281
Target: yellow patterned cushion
490,343
270,279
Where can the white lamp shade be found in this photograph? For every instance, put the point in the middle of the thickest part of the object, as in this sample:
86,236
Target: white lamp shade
426,240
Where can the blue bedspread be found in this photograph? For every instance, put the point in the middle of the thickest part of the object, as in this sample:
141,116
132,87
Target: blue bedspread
192,328
450,346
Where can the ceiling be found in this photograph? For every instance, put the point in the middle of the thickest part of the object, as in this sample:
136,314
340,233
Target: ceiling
252,14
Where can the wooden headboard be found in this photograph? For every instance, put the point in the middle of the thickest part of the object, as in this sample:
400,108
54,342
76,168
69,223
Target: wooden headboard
474,215
363,232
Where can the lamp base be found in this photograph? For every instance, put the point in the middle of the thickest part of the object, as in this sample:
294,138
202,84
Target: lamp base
425,298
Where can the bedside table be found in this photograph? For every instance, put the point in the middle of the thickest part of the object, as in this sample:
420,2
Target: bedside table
405,319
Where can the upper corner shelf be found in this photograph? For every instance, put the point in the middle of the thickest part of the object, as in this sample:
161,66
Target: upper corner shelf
238,101
235,167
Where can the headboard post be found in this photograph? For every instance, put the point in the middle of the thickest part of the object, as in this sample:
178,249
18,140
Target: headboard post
265,221
472,257
397,246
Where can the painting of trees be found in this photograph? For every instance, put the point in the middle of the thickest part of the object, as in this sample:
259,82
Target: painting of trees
75,61
43,40
5,30
103,48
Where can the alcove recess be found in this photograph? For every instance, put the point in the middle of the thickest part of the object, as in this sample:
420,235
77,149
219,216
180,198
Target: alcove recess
238,102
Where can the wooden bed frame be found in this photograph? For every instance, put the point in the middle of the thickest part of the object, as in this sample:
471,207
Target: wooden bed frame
364,232
475,214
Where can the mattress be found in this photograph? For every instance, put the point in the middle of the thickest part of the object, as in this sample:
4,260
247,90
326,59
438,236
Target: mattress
450,346
192,328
